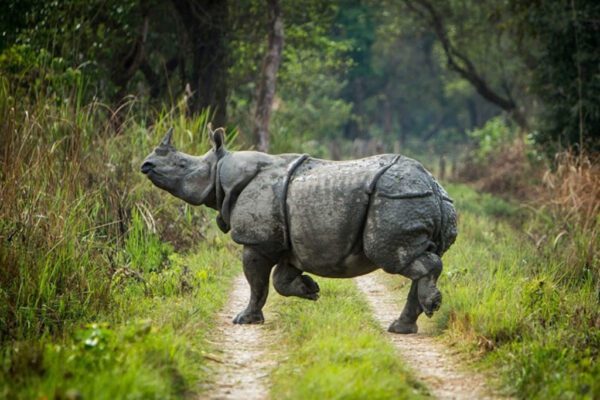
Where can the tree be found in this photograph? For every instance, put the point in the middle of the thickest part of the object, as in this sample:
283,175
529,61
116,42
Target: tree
459,62
355,23
268,79
205,24
565,38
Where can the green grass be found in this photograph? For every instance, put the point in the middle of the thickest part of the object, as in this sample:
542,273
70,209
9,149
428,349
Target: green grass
149,345
522,302
333,349
485,205
107,284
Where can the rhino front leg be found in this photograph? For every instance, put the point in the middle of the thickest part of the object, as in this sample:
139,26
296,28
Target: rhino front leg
257,268
289,281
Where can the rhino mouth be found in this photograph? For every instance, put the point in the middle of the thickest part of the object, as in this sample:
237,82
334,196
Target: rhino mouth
147,167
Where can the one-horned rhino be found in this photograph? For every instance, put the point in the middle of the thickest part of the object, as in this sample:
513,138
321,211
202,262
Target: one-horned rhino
337,219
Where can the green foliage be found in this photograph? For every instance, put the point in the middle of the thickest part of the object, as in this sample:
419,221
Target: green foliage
152,340
484,204
495,134
36,73
524,303
360,68
308,109
307,106
335,350
566,76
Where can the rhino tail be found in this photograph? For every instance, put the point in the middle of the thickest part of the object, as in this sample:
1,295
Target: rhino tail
448,229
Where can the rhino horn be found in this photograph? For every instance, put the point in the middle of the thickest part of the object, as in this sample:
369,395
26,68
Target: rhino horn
167,139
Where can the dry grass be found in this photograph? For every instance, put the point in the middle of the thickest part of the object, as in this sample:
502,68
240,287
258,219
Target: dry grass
507,173
563,198
570,196
574,188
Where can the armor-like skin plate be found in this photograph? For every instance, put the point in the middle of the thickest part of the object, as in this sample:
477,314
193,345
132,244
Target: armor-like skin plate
337,219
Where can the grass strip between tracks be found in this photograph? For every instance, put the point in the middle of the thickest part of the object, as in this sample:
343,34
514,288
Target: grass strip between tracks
334,349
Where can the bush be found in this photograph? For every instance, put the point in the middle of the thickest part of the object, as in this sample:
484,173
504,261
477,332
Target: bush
74,211
36,73
501,162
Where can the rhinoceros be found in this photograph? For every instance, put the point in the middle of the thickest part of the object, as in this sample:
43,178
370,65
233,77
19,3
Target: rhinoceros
335,219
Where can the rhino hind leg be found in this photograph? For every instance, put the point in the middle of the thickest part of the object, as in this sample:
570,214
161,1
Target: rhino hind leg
290,281
424,296
407,323
257,268
425,271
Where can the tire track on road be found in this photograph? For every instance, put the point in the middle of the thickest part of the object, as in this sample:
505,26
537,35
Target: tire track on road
431,361
242,364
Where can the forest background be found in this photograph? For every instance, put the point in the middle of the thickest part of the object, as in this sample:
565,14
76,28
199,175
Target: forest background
407,74
503,95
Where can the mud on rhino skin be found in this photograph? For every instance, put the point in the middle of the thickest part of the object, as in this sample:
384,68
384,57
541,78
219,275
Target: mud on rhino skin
339,219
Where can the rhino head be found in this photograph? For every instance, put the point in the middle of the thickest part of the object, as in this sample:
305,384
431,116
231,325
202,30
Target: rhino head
187,177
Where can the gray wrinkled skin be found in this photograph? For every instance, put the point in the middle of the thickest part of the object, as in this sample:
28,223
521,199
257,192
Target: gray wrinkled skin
337,219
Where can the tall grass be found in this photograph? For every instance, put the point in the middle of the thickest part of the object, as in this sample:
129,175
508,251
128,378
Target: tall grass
570,197
74,208
530,305
84,237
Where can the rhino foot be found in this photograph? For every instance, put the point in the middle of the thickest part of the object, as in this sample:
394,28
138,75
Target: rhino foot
249,317
430,298
399,326
311,288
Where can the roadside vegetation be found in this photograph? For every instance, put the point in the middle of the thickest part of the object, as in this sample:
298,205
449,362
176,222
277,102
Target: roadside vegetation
101,276
521,294
334,349
527,299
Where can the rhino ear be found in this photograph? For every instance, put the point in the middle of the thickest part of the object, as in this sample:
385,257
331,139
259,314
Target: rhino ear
217,138
167,139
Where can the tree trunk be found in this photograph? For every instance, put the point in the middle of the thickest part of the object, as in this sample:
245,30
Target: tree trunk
268,79
387,117
127,63
206,24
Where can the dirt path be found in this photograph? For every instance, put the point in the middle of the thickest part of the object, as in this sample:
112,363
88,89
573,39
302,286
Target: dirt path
431,361
243,362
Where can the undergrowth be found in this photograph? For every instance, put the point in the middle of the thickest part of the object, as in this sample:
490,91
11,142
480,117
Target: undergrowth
528,305
150,346
90,285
